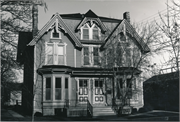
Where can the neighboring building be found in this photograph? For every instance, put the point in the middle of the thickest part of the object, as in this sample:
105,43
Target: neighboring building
161,92
63,61
12,94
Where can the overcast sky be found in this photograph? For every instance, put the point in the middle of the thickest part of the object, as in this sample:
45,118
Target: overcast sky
139,9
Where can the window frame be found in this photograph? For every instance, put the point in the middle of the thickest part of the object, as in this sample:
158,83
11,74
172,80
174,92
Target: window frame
91,55
52,31
91,33
55,53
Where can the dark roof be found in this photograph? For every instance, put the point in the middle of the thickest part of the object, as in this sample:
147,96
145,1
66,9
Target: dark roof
90,13
23,40
163,77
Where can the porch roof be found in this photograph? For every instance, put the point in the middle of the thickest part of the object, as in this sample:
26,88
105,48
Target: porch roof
87,71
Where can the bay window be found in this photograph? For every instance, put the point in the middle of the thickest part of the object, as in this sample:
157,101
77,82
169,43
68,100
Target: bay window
48,88
58,88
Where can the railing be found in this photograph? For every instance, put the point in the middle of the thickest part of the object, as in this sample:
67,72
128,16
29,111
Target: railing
89,108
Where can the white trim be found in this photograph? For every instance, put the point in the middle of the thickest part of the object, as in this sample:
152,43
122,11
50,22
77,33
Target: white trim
91,56
90,31
74,57
56,25
55,54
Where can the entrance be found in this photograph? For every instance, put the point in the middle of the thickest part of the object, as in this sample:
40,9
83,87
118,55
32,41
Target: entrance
83,90
98,91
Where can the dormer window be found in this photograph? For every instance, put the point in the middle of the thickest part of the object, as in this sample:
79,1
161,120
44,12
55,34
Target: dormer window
85,32
122,37
89,32
95,33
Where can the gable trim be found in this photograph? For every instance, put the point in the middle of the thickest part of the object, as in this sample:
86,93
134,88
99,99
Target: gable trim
129,29
95,20
49,25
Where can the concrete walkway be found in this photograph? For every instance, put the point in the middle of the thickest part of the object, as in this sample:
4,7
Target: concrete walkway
14,114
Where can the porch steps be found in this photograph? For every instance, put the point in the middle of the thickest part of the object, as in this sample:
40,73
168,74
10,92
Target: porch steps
104,111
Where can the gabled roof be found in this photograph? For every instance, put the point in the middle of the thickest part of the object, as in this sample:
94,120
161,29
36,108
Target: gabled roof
131,31
62,25
91,17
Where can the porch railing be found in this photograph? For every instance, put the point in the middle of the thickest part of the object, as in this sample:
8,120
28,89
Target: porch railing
89,108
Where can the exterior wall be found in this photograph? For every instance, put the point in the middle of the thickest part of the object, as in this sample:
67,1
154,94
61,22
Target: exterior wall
78,58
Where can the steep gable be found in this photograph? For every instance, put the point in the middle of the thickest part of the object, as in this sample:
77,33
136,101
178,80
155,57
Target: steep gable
61,25
131,33
91,17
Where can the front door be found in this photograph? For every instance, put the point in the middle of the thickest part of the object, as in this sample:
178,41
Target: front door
83,90
98,91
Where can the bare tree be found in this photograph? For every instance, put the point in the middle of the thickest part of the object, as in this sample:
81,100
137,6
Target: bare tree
127,60
169,39
15,16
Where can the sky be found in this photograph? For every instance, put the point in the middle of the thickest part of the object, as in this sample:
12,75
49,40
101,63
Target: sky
139,9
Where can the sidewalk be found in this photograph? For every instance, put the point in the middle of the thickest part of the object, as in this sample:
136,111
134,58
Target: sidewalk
9,115
155,115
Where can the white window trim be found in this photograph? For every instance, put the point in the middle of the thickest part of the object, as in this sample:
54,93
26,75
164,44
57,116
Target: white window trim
52,31
56,25
55,44
44,87
53,78
91,31
91,56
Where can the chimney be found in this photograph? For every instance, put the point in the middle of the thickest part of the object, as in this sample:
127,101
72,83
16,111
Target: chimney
126,16
34,20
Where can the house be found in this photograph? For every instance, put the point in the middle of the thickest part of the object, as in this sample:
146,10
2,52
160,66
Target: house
63,64
161,92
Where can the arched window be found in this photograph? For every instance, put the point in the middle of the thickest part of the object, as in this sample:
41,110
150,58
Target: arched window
85,32
90,32
122,36
95,33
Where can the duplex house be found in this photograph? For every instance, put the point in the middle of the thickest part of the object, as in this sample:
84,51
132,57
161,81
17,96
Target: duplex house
71,63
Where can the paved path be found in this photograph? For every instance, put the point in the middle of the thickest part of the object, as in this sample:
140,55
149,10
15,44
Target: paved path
14,114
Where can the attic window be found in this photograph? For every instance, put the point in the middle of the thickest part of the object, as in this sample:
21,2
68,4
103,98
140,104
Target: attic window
122,36
90,32
55,34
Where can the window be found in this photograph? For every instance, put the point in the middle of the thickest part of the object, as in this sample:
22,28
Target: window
55,34
90,32
86,56
129,83
85,32
95,33
91,56
58,89
98,87
66,87
83,87
48,88
55,53
122,37
96,56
